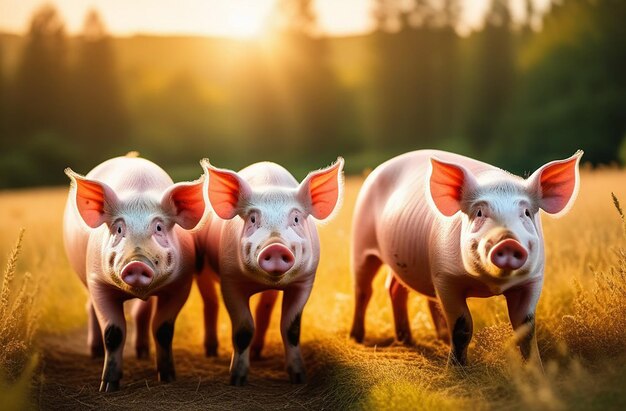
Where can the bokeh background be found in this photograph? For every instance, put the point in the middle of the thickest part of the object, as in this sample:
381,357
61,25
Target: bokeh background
515,83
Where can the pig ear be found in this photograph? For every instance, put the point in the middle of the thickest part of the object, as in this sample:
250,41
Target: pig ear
556,184
226,190
321,190
94,200
185,202
448,183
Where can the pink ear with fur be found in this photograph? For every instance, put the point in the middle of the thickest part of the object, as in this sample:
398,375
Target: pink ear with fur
93,199
226,189
186,202
448,182
321,190
556,184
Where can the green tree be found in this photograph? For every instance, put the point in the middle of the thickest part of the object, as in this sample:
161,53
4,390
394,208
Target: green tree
291,96
415,73
493,75
39,117
100,120
40,93
573,90
3,103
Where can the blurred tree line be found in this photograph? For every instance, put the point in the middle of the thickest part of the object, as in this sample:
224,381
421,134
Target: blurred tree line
516,93
55,113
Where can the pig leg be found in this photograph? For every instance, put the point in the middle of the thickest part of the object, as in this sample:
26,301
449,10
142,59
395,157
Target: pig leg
237,303
167,309
399,295
142,313
365,270
262,321
439,320
522,303
294,299
110,312
206,285
457,313
94,334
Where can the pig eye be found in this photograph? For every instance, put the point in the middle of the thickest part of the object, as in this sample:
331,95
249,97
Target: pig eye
253,219
296,220
158,228
479,213
527,213
118,230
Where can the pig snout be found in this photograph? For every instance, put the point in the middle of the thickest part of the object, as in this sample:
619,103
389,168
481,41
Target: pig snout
508,255
137,274
276,259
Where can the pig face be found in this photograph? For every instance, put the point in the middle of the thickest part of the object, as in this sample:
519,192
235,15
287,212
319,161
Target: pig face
140,248
501,233
278,240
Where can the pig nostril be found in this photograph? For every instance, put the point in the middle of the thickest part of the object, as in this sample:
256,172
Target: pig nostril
517,254
267,258
285,258
499,253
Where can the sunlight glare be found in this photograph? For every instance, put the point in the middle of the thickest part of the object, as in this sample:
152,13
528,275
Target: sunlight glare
247,20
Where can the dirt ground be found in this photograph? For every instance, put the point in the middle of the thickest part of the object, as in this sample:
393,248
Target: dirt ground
70,380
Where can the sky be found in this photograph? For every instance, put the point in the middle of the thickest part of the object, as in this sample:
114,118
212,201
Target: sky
234,18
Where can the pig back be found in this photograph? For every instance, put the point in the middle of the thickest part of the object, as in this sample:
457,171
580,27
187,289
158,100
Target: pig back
268,174
396,193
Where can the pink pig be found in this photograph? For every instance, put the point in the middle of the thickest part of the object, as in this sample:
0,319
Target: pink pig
262,239
451,227
125,232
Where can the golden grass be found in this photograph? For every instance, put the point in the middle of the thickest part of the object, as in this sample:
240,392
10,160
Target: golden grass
18,323
581,318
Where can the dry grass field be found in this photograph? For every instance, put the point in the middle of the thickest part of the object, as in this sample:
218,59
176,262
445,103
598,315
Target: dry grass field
581,324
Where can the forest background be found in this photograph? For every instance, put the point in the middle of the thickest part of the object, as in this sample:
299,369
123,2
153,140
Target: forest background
515,92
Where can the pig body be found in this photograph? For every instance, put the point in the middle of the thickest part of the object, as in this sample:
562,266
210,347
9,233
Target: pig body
124,237
451,227
262,238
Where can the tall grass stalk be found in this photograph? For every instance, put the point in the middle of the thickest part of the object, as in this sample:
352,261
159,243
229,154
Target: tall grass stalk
18,324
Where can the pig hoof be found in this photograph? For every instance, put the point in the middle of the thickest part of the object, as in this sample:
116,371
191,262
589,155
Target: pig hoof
408,342
97,351
357,335
109,386
210,350
298,377
238,380
167,376
405,339
143,353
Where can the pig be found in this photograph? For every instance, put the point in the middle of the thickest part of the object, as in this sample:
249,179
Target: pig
126,234
261,238
451,227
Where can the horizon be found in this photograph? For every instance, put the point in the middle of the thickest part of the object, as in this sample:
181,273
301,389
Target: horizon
235,19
